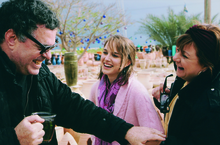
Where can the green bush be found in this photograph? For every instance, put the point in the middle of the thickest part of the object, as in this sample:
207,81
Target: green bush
78,51
90,51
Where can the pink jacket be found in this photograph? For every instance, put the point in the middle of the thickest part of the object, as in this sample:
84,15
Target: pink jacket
133,104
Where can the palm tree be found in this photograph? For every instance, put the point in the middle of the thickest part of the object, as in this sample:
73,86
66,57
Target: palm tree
165,30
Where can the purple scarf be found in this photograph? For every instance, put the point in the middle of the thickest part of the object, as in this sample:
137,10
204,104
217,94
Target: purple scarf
106,98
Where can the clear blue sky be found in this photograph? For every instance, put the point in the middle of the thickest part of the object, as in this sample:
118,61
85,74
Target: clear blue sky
138,9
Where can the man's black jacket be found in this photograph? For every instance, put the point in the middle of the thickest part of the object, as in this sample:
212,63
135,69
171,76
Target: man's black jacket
44,92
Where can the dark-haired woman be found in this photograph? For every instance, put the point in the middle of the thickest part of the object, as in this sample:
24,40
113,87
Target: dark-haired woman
194,115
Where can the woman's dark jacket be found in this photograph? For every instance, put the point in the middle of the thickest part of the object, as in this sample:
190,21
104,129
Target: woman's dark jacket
196,115
44,92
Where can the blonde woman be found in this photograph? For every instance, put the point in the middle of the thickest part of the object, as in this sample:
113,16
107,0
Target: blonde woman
118,91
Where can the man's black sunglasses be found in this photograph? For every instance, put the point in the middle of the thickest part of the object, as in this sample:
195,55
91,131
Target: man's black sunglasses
43,47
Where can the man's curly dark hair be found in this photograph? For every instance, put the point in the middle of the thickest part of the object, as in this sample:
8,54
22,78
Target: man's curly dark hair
24,16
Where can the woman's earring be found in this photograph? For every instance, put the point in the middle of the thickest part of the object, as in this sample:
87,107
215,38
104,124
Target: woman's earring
199,72
202,71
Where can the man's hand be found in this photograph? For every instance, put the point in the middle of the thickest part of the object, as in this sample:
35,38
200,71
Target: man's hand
30,130
141,135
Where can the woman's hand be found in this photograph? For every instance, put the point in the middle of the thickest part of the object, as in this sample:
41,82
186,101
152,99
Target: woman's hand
157,91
